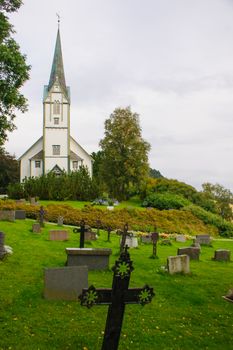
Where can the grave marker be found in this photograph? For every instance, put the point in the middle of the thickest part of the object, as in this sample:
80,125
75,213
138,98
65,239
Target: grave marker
154,238
178,264
203,239
36,228
41,216
222,255
60,221
117,297
58,235
124,234
192,252
82,231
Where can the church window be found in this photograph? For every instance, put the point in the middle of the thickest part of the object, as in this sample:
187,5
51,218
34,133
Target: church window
56,150
56,121
75,165
56,107
37,164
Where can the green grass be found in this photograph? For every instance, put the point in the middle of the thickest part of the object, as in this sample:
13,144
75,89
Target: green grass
188,312
131,203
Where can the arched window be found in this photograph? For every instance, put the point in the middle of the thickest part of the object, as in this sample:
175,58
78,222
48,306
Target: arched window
56,107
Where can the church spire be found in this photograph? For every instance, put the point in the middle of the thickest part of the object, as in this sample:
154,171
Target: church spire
57,71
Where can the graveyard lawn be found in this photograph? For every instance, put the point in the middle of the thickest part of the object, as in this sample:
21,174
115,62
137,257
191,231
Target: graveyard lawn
187,312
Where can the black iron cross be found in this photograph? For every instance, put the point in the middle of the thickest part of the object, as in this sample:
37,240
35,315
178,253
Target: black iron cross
123,237
82,231
117,297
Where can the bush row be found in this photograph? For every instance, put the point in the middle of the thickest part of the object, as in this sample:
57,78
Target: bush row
170,221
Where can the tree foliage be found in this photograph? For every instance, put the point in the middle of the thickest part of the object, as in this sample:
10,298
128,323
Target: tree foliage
125,153
155,174
13,71
222,197
9,170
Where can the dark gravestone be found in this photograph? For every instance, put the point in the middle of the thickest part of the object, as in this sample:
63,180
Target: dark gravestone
41,216
203,239
192,252
154,238
20,214
222,255
93,258
117,297
2,248
65,283
123,234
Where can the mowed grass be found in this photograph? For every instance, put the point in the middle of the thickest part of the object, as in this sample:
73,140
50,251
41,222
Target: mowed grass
188,312
134,202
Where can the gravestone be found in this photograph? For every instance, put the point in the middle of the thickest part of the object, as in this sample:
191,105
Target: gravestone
89,235
180,238
146,238
7,215
178,264
155,238
20,214
109,230
222,255
192,252
93,258
2,247
36,228
58,235
65,283
229,296
32,200
60,220
117,297
131,241
203,239
41,216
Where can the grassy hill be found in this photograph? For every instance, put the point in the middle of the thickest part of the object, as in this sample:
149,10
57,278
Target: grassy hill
188,312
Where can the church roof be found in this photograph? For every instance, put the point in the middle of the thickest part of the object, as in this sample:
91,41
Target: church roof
39,155
57,71
74,156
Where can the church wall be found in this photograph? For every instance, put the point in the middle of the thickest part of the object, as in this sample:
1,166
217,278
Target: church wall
82,154
26,165
51,162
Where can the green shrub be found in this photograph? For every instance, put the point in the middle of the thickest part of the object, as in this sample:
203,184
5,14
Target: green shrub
164,201
225,228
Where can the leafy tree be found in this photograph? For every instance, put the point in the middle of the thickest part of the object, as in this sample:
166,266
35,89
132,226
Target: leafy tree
125,153
155,174
222,197
13,71
9,170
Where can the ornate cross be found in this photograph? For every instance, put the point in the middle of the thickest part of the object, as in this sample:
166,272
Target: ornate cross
82,231
117,297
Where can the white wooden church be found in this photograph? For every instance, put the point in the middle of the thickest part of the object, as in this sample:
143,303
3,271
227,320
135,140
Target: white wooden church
56,150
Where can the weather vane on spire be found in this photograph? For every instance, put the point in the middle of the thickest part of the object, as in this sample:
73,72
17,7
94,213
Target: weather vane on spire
58,19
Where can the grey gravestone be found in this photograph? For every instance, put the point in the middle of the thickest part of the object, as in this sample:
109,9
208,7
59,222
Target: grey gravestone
146,239
60,220
222,255
32,201
93,258
7,215
180,238
20,214
36,228
2,248
131,241
192,252
178,264
203,239
65,283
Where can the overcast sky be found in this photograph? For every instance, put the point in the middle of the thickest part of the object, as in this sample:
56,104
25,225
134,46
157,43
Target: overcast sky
170,60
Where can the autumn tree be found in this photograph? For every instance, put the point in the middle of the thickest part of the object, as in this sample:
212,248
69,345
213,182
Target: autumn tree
125,153
13,71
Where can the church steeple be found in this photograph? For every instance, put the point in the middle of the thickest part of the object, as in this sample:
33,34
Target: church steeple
57,72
